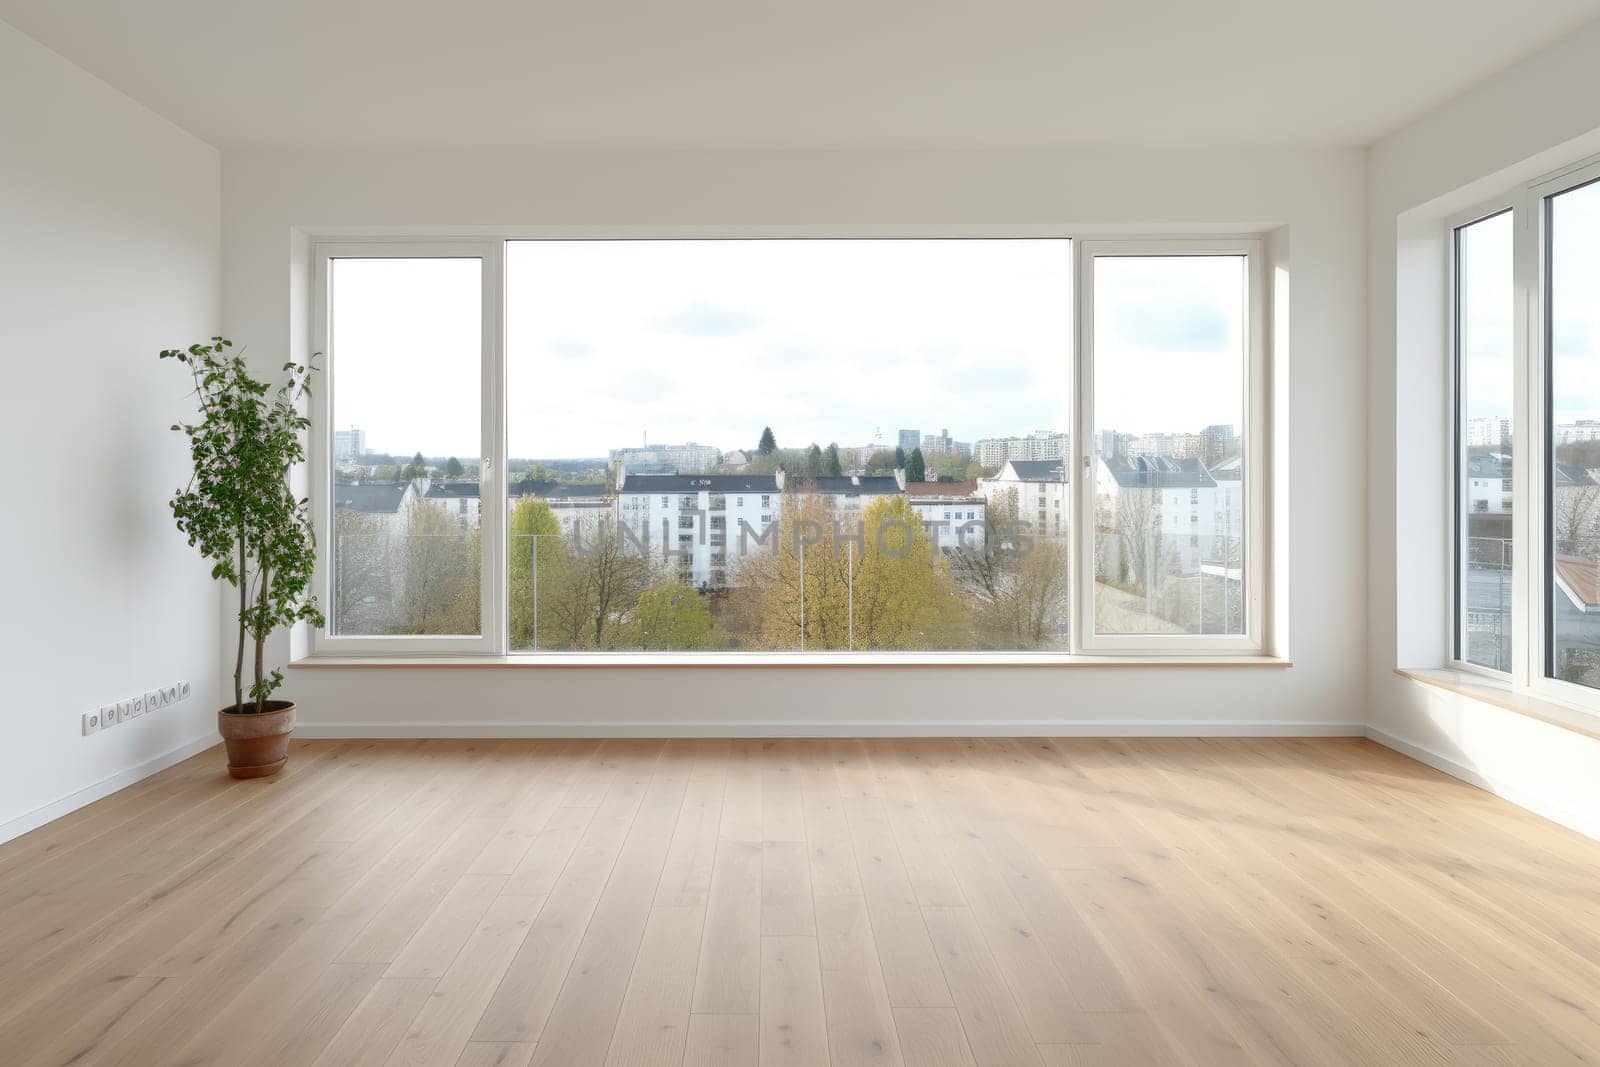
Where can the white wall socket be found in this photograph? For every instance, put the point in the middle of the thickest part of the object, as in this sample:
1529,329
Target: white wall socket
120,711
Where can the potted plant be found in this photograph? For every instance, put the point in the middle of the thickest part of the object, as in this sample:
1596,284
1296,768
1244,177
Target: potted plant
240,512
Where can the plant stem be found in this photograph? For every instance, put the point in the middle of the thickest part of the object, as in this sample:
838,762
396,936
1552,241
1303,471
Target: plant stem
238,658
261,646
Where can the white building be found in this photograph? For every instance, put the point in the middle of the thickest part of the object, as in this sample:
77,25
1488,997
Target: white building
693,522
1175,498
349,444
952,512
1041,444
688,458
1489,484
580,508
1040,490
1494,431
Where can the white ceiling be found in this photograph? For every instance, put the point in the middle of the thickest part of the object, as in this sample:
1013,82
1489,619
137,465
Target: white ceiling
801,72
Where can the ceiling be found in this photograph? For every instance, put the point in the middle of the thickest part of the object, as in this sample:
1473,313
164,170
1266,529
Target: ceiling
730,73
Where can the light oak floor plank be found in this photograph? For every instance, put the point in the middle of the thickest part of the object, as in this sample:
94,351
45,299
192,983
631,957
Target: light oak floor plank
743,902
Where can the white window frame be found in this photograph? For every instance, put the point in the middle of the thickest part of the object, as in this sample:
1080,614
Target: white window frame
1532,424
491,466
490,246
1255,434
1456,528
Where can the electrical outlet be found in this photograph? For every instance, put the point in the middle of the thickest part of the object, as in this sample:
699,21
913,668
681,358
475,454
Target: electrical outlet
108,716
152,700
183,690
124,710
169,695
135,707
91,722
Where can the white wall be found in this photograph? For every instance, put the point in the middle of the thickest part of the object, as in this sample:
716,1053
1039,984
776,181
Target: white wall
1314,197
109,232
1539,114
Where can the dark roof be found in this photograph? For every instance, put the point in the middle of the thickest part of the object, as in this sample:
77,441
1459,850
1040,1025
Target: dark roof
376,498
694,483
1159,472
560,490
1040,470
1567,474
453,490
848,485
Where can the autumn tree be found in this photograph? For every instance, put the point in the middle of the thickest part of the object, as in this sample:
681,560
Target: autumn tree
828,576
441,561
1016,581
593,595
671,617
535,544
882,461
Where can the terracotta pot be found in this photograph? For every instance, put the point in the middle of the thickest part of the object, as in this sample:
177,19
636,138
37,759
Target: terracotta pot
258,745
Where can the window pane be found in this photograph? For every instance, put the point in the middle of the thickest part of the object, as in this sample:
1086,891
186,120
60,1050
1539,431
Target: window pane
406,359
1573,328
1485,302
1170,358
787,445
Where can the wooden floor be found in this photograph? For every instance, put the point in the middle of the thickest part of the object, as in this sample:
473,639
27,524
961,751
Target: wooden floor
852,902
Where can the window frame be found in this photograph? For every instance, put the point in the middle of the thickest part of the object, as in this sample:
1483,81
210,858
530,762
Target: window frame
1532,415
1456,529
490,639
1255,432
1537,659
490,245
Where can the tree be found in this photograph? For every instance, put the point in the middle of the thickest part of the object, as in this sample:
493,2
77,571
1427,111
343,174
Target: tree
532,521
882,461
452,468
239,509
814,461
606,577
916,468
417,468
1017,583
440,567
769,443
671,616
820,591
899,458
831,465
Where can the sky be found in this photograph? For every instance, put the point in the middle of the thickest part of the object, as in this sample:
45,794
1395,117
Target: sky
1575,303
823,340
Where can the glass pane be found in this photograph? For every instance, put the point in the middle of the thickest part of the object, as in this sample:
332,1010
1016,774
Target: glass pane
1574,354
406,358
1485,303
788,445
1170,358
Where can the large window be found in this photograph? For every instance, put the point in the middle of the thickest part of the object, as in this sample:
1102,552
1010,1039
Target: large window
1484,330
558,447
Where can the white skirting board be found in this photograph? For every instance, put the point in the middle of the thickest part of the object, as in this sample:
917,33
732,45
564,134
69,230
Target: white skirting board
825,728
1584,821
30,820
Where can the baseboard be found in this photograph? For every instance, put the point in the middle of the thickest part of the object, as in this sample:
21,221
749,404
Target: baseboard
31,820
1583,821
826,728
